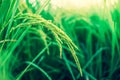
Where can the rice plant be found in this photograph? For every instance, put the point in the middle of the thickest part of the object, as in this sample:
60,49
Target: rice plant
38,42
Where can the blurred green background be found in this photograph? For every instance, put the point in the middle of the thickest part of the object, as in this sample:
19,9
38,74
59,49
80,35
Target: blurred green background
59,40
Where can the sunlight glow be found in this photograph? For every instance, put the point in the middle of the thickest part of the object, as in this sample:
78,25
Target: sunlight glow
78,3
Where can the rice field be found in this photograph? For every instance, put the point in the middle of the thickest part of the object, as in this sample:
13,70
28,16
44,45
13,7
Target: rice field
59,40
